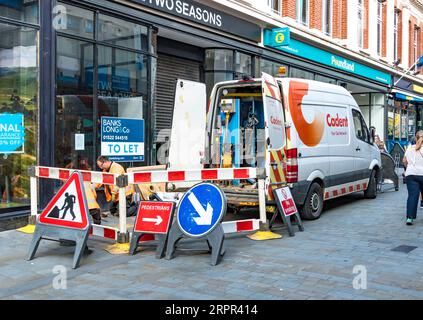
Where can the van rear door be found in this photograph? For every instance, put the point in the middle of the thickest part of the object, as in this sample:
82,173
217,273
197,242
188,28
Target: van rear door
188,135
274,132
273,110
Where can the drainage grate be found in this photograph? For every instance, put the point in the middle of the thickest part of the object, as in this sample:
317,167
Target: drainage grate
404,249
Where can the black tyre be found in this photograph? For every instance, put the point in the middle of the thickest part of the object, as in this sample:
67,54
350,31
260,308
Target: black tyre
371,192
313,205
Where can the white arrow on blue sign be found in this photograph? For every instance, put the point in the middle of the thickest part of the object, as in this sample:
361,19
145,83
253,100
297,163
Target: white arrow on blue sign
201,210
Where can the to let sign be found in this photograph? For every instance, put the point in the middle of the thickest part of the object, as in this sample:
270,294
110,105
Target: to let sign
154,217
287,202
122,140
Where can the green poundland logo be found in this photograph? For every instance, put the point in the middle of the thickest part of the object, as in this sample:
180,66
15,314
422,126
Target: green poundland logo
343,64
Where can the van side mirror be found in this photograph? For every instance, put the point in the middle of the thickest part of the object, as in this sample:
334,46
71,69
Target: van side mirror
372,135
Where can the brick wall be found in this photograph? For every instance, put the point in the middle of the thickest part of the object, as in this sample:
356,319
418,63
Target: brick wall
289,9
366,25
400,35
316,14
340,19
384,27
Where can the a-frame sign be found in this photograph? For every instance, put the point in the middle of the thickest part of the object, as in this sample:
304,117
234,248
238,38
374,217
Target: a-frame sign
66,217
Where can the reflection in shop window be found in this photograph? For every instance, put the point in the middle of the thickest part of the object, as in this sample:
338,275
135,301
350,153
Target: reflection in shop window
18,109
122,33
74,103
301,74
273,68
20,10
74,21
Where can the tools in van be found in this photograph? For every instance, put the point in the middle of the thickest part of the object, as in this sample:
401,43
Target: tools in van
227,108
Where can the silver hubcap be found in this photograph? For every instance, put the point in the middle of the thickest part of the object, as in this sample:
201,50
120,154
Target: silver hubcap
315,202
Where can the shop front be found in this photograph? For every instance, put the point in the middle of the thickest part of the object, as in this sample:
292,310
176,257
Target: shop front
405,115
19,83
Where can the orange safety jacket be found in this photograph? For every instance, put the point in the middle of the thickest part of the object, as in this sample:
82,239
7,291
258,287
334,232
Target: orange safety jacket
91,196
112,192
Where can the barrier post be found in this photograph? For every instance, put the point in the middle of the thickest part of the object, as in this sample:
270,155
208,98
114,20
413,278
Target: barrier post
122,183
264,233
34,196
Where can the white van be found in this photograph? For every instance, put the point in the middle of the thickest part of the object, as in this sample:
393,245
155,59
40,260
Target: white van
305,134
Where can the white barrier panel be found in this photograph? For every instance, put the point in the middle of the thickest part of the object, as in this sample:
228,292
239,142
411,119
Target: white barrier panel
87,176
192,175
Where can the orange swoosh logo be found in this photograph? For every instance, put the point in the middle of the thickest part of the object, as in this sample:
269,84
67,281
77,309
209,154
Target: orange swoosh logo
310,133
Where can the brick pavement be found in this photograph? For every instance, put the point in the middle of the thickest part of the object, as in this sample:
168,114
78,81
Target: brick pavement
316,264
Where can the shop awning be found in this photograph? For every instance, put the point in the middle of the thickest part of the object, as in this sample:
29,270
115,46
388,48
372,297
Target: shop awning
403,95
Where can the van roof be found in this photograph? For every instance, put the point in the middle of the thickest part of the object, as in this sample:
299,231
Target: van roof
332,88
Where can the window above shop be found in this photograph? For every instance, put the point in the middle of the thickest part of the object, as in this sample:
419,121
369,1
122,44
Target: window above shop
122,33
302,11
20,10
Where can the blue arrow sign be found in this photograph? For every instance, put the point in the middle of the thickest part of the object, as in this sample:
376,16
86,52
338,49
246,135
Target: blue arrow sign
201,210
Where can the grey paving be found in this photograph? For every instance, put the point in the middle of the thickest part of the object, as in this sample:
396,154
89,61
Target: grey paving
316,264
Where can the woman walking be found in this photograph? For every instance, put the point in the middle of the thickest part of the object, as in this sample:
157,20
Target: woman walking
413,161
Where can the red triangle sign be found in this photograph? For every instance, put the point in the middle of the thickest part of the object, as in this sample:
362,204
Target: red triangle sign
68,208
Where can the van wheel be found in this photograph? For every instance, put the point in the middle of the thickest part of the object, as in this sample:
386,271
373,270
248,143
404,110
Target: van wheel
371,192
313,205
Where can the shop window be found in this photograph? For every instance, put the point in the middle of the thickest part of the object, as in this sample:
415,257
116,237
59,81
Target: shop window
20,10
18,108
301,74
378,112
325,79
122,33
74,21
219,60
273,68
74,104
242,64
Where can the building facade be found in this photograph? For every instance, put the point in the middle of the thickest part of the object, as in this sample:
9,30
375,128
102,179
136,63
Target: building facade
65,65
384,34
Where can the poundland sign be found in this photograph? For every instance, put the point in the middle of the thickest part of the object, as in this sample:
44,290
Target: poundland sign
206,16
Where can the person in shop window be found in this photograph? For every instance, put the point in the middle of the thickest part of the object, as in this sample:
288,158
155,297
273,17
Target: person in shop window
112,192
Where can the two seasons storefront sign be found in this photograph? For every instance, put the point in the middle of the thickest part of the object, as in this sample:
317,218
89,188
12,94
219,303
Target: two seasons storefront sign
206,16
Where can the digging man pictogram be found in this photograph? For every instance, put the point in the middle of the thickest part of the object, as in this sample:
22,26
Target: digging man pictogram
68,205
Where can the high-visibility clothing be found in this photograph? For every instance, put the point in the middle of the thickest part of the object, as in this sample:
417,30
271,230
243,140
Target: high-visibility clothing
91,196
113,191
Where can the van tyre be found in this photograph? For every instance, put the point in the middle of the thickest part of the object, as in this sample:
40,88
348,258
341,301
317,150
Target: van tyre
313,205
371,192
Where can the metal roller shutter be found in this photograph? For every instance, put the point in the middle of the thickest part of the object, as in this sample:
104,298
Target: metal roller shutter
169,69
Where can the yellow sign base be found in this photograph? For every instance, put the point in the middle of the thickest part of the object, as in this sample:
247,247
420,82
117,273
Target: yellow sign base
118,248
29,229
264,235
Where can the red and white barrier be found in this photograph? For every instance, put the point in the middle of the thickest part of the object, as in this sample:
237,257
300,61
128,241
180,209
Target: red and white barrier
104,232
241,226
154,177
88,176
192,175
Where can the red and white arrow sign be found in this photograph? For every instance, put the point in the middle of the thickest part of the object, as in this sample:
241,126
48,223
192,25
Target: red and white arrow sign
158,220
154,217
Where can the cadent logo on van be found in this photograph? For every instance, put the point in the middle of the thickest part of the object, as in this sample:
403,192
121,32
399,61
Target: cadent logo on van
337,122
275,121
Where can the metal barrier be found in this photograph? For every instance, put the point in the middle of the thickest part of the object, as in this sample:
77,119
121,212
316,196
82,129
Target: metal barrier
121,234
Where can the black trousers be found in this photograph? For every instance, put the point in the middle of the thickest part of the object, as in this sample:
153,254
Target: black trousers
131,207
415,187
